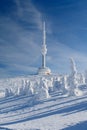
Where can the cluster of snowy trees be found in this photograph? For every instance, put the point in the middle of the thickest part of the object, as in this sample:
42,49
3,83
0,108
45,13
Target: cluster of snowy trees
44,86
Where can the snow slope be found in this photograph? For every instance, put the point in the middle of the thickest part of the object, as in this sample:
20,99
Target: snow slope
43,102
55,113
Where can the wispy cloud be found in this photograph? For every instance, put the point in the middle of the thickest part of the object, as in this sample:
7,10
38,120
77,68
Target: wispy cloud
60,55
19,45
27,12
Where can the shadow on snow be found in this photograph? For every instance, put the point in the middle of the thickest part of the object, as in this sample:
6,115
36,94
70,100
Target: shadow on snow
79,126
64,110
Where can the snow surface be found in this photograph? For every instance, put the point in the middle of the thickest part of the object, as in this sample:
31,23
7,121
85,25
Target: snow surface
38,102
54,113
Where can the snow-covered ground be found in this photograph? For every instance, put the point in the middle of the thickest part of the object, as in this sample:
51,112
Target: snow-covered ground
54,113
53,102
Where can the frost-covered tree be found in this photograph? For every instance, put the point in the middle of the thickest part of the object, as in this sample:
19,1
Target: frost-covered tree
8,92
86,76
30,88
43,89
57,85
73,78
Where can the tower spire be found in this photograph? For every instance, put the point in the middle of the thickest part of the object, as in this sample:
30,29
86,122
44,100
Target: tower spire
44,49
44,33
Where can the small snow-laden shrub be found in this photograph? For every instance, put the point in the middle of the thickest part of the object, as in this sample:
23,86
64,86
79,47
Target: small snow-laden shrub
36,86
33,100
8,93
30,88
78,92
71,83
59,85
26,88
23,89
43,92
81,90
2,94
50,85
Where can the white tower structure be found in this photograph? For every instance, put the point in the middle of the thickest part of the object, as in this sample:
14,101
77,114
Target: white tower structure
44,70
44,49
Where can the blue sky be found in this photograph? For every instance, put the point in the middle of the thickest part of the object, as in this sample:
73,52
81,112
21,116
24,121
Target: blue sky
21,35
